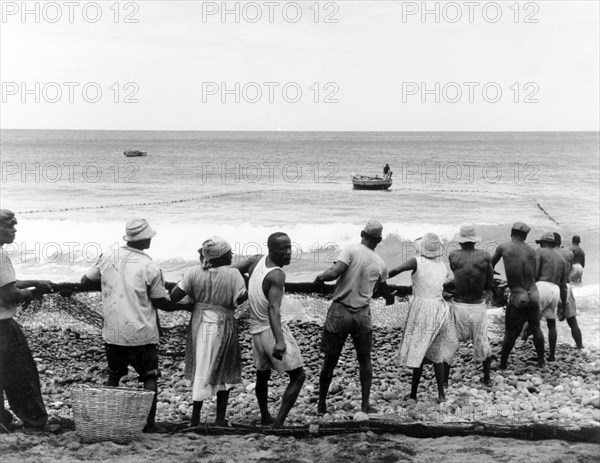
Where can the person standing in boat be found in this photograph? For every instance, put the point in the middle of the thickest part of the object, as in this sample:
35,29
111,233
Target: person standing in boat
387,172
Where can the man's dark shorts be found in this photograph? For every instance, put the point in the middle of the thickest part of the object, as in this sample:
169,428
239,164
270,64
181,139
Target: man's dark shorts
144,360
343,321
521,308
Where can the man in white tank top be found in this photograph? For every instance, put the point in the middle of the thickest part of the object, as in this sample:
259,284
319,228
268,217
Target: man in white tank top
273,344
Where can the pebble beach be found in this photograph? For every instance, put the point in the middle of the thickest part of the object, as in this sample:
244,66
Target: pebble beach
70,353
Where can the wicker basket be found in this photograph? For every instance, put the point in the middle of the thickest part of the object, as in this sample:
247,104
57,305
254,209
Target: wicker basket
105,413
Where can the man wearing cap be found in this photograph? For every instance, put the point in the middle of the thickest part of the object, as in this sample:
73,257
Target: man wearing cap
360,273
132,289
551,281
578,260
19,377
523,302
473,275
570,308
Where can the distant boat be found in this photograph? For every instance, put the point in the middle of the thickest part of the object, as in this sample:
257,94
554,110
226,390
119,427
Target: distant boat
134,153
365,182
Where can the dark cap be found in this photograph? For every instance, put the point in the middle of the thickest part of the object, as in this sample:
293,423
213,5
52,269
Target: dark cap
547,237
520,226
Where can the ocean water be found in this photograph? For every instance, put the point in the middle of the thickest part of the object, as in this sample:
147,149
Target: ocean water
75,190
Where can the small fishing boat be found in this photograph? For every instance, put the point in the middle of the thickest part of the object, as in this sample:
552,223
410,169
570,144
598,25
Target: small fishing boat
134,153
365,182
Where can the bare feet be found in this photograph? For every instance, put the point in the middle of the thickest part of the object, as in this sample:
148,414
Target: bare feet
369,410
267,421
276,425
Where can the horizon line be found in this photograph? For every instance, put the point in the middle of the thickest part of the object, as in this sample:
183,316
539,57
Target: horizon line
308,131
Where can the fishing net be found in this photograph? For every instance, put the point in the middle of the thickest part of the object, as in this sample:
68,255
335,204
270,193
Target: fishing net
70,306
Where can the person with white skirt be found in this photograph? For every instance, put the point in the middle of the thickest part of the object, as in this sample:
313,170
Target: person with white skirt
213,358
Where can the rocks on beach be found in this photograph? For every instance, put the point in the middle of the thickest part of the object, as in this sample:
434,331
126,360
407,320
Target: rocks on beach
565,393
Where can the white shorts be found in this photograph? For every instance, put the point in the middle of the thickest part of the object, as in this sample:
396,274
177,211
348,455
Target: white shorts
262,350
549,298
468,322
576,273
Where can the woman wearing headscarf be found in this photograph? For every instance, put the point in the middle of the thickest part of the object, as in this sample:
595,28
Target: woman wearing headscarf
212,357
426,330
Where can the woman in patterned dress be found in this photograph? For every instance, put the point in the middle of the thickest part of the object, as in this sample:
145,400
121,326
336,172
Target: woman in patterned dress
213,359
426,329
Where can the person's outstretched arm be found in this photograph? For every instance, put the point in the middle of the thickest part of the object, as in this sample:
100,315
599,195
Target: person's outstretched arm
332,273
410,264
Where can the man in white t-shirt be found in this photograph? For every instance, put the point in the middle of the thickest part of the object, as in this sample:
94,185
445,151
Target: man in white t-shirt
132,289
360,273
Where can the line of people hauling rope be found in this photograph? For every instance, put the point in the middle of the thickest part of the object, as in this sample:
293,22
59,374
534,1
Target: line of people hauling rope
133,289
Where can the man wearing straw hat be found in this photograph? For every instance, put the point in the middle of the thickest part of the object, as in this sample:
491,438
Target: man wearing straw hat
473,275
359,272
524,300
132,289
19,377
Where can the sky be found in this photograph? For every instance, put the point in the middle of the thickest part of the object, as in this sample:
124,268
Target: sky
300,66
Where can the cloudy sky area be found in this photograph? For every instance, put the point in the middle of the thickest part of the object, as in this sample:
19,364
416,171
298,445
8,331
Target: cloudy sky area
368,57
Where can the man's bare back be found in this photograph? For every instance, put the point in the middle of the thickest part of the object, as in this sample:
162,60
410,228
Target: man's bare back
567,255
578,255
519,265
473,274
550,266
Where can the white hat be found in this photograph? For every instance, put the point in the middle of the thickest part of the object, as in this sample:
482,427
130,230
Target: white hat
138,230
467,234
431,246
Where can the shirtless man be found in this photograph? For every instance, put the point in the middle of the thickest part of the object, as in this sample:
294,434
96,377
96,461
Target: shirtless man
551,281
578,261
523,303
273,344
570,308
473,275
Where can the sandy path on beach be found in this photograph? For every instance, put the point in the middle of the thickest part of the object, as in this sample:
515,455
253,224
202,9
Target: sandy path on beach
360,447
